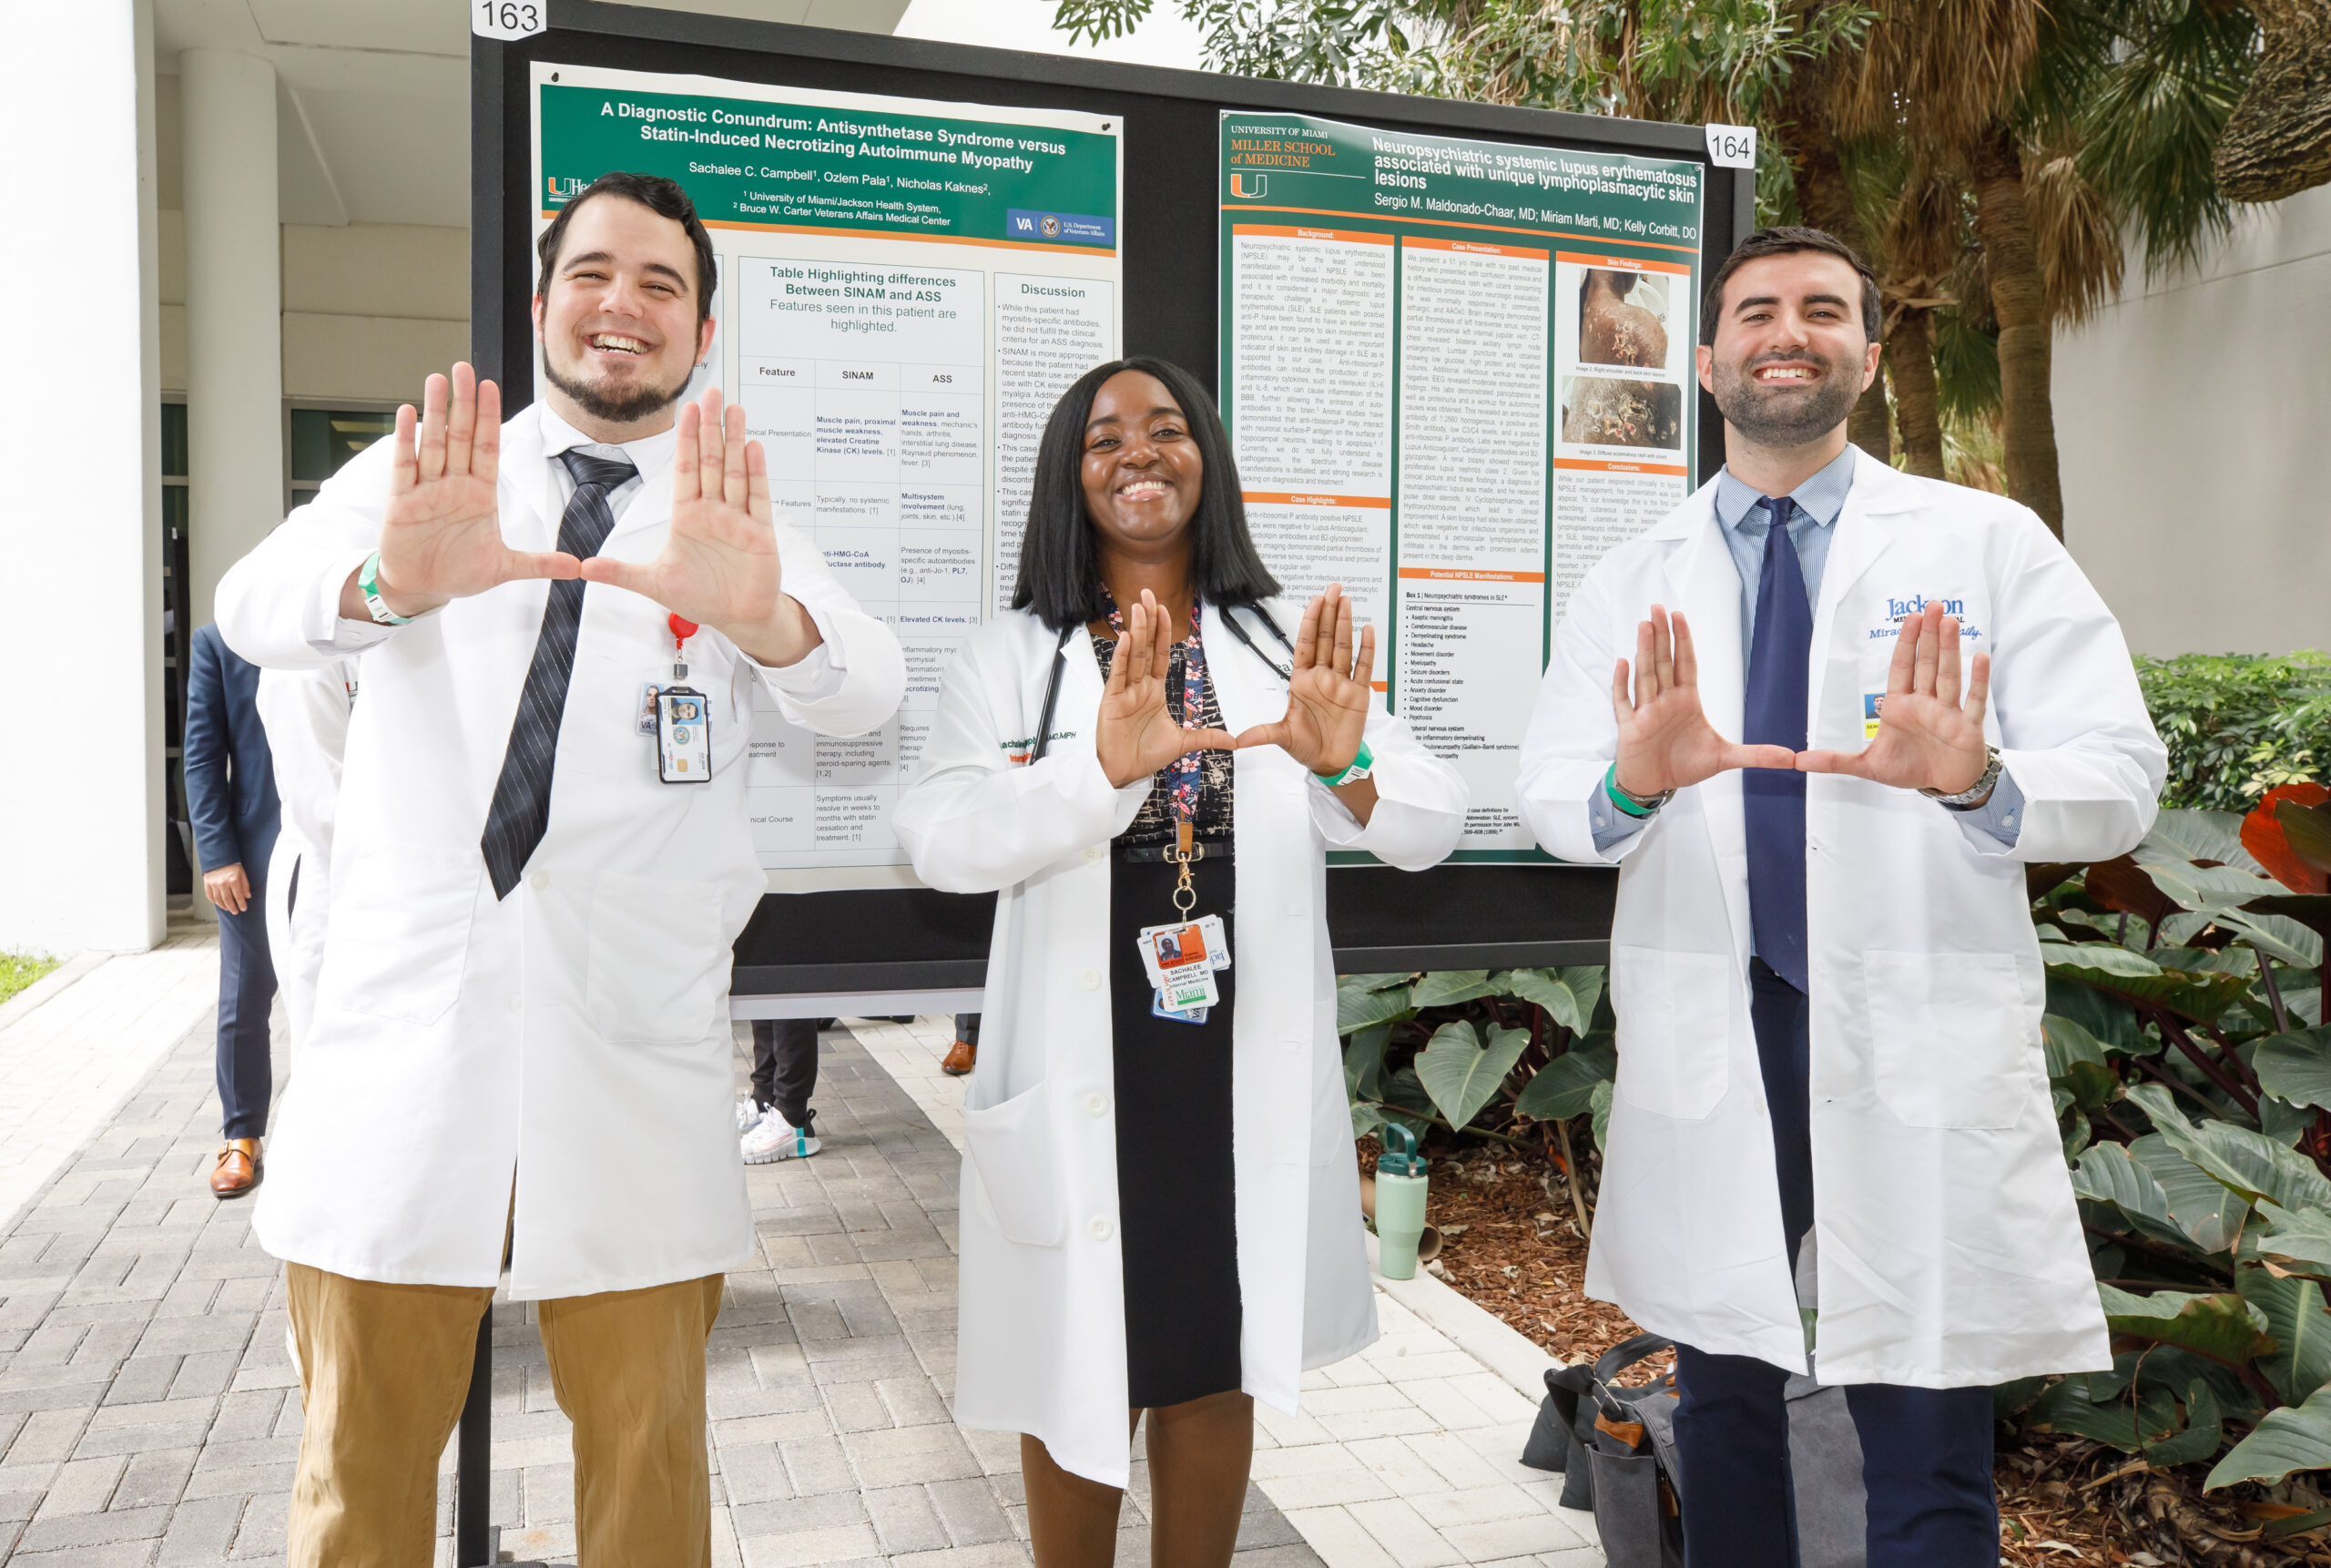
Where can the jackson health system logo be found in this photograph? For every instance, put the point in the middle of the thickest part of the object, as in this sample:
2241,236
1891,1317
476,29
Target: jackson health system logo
1889,626
1059,228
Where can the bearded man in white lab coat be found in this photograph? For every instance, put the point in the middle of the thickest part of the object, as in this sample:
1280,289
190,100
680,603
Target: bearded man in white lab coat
521,1025
1832,1148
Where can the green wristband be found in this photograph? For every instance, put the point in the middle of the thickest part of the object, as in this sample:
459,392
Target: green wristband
1362,765
1621,798
368,583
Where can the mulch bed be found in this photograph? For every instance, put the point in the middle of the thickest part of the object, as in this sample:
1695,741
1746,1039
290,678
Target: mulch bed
1512,1243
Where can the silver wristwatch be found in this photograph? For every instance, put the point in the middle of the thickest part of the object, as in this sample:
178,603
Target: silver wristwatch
1976,791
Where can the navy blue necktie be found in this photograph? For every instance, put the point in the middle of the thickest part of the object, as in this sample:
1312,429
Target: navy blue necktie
520,809
1774,715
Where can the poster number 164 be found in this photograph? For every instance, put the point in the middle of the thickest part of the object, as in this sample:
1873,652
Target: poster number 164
508,18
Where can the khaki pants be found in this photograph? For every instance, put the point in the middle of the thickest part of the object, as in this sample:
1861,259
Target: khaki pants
384,1369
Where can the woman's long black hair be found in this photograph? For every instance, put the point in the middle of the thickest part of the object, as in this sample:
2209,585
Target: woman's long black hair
1060,558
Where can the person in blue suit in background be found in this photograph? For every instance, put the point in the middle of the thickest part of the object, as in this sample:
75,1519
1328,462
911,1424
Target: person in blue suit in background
231,803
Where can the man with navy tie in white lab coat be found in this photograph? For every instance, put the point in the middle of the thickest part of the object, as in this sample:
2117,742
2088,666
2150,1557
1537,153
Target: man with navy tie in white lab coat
521,1025
1832,1148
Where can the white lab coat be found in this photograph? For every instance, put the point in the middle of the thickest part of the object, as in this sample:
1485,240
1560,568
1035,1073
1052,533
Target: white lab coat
577,1031
1947,1247
305,714
1042,1342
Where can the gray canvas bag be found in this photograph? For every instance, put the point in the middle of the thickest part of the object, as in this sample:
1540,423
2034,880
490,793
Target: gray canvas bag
1615,1448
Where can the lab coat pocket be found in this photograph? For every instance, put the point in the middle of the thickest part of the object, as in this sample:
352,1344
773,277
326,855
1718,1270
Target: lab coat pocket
1676,1015
1011,1146
400,934
1954,1042
657,962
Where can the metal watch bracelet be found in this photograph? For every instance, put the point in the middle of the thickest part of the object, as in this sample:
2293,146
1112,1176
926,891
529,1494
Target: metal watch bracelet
1992,767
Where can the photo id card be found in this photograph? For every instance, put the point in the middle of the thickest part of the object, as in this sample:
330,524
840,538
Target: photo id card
648,691
1180,962
683,735
1217,943
1157,1009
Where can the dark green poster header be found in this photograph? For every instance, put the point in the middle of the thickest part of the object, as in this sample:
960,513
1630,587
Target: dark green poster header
757,163
1297,164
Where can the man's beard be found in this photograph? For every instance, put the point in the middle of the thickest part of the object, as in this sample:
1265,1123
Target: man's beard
624,408
1783,419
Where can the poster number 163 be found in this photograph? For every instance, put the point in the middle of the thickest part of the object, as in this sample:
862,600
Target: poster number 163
508,18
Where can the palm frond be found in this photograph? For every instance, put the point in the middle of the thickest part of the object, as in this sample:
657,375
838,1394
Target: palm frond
2148,129
2077,234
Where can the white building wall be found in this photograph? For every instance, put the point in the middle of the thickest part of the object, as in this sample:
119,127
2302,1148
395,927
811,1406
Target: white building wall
80,518
2193,418
234,317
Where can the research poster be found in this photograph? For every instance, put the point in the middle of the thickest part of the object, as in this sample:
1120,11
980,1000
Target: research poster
906,289
1455,373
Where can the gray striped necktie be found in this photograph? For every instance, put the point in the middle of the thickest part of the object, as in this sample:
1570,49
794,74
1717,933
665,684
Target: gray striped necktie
522,795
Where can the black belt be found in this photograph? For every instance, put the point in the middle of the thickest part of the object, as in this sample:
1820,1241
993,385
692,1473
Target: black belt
1151,854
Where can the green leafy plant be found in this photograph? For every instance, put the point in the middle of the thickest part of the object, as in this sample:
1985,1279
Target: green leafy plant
2237,725
2192,1078
1512,1055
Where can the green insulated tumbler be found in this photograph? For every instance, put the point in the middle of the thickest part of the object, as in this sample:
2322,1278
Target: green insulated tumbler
1400,1203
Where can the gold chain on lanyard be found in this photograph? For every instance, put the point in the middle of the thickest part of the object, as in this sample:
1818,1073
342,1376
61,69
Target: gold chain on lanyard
1187,853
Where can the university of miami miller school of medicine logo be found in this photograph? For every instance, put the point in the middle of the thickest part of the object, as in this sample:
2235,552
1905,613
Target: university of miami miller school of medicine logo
555,186
1251,186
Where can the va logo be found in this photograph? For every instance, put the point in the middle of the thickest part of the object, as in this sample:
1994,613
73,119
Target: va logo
1052,227
1249,186
1022,225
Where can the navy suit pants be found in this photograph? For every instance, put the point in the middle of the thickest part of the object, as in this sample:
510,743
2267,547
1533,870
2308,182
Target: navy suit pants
1926,1453
246,990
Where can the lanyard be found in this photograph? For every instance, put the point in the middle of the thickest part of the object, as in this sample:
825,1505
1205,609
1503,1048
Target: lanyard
1182,774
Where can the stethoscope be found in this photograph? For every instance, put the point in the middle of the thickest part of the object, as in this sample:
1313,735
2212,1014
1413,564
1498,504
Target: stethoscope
1060,663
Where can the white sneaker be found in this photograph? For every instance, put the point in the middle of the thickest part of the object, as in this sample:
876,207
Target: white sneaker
749,1111
769,1139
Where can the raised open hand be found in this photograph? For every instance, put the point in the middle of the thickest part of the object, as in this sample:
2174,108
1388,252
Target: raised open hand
1327,695
1927,740
441,538
1665,740
1135,735
720,565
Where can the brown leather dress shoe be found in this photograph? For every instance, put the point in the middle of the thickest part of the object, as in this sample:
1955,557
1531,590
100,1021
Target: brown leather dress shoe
962,1058
237,1170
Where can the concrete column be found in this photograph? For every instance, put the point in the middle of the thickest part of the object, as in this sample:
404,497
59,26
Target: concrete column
81,863
234,314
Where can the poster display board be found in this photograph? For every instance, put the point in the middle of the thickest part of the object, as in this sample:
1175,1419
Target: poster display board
815,151
906,288
1456,372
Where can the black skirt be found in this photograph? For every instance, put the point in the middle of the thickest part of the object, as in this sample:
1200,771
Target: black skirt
1176,1216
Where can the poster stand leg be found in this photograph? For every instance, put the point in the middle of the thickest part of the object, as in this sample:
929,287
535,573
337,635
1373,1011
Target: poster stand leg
476,1543
473,1538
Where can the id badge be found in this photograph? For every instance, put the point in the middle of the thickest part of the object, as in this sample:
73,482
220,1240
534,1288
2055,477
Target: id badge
683,735
1873,707
1179,960
1218,941
1157,1009
649,690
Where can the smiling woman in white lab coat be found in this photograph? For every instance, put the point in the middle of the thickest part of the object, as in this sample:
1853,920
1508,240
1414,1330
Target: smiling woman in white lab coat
1160,1201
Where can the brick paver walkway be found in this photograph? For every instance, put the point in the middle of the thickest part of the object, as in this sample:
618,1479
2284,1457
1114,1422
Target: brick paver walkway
149,1413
